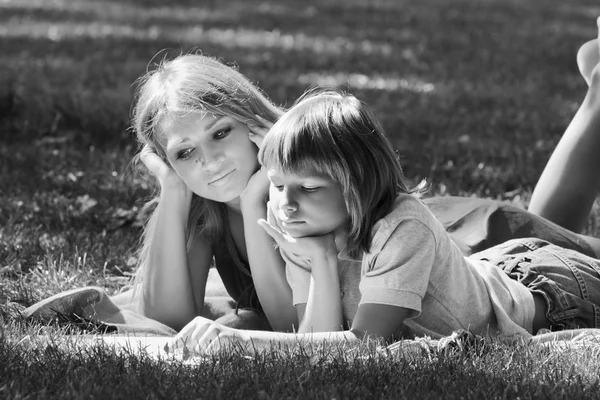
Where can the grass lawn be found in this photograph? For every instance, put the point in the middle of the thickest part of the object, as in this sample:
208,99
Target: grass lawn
475,94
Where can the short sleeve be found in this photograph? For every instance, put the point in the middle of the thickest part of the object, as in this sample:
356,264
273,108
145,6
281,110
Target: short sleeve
397,272
297,273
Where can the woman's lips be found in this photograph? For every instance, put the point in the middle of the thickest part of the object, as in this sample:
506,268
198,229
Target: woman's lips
221,180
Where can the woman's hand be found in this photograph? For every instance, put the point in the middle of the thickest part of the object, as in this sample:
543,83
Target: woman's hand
258,185
202,336
308,247
166,176
257,133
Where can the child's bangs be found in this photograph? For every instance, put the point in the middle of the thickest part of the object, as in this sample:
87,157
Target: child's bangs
295,148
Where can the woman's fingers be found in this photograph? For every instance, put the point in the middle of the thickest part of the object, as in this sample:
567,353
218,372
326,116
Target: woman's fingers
257,132
189,335
209,342
152,161
265,122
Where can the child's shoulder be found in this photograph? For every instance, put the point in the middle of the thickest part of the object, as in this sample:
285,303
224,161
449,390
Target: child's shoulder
419,220
408,206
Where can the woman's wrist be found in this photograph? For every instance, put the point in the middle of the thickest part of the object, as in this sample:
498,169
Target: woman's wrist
253,205
176,200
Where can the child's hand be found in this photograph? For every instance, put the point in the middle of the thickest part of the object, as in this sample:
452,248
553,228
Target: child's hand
588,58
202,336
307,247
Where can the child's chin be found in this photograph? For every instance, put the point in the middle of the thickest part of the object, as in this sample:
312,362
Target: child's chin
298,233
301,233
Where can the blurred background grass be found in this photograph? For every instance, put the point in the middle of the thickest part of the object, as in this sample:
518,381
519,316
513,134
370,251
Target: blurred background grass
474,94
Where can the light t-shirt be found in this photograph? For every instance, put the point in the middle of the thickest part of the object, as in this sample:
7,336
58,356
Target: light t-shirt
414,264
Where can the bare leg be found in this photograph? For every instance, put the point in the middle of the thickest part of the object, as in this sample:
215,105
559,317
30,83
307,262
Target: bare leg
570,181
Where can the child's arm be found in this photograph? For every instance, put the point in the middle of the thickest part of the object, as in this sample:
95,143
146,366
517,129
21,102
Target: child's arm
323,312
323,309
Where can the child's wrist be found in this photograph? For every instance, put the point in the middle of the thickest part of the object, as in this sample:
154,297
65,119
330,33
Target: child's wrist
326,259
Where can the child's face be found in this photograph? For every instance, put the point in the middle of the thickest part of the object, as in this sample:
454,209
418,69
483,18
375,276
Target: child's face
212,154
307,203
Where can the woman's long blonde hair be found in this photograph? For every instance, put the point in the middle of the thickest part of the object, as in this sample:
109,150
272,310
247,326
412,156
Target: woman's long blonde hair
177,87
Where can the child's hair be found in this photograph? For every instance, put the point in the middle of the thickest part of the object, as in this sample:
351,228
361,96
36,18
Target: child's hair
335,134
186,84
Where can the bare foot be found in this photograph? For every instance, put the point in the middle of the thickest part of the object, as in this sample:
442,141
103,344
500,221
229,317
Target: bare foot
588,57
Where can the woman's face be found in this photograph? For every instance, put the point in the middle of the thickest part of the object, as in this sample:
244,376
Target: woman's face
212,154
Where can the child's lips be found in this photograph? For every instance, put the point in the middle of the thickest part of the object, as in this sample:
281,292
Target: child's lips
291,222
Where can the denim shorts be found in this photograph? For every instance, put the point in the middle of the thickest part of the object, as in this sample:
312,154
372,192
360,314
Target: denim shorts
569,281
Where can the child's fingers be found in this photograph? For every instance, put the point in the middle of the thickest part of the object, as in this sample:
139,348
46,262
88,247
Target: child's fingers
271,230
271,219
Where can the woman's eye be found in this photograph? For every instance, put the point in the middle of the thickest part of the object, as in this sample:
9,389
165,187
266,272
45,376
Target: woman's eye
310,189
184,154
222,133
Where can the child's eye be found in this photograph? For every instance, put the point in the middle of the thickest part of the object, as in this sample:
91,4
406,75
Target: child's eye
222,133
184,154
310,189
278,187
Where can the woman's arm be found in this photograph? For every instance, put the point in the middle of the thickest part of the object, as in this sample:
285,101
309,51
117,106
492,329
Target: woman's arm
372,321
266,264
268,269
168,286
174,281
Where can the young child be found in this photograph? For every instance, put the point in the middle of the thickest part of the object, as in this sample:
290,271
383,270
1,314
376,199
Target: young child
364,252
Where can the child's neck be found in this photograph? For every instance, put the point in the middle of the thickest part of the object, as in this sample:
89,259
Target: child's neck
341,237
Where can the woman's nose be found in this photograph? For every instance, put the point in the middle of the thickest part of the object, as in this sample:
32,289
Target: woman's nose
209,158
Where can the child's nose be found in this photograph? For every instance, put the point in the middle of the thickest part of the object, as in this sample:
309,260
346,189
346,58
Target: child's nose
288,203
